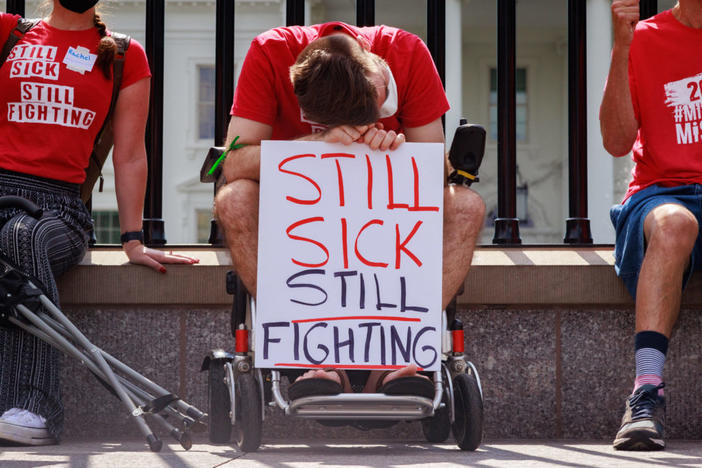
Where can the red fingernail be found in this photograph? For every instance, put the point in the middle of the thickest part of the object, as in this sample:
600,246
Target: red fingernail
162,269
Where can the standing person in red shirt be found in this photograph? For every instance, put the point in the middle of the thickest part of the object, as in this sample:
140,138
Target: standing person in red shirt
51,109
653,103
340,84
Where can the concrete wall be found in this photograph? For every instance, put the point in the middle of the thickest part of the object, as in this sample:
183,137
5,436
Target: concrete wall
550,331
547,373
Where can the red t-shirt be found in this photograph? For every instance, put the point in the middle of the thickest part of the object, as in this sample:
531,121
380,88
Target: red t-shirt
264,92
50,114
665,78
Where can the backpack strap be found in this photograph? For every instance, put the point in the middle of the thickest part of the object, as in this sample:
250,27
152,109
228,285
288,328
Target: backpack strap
23,25
122,41
97,158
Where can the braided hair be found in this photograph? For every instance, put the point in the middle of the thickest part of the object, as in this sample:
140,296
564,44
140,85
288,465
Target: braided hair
107,48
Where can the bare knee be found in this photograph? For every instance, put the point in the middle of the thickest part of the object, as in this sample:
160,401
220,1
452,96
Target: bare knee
671,229
463,205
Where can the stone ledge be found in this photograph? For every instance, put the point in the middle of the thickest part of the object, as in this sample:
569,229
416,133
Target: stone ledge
552,275
104,277
538,322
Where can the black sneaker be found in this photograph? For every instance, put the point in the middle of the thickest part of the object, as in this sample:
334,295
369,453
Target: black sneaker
643,420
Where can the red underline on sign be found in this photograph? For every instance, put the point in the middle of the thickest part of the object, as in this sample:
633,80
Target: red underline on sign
360,317
340,366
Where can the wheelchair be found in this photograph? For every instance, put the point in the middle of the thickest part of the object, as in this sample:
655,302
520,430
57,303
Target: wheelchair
238,391
24,304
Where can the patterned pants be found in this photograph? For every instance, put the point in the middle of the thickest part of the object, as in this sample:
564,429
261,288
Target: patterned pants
44,248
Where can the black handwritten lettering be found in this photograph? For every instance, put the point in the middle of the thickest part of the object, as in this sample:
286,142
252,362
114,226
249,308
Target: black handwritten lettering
369,336
403,299
396,344
292,285
343,275
319,346
296,341
424,348
379,304
342,344
266,335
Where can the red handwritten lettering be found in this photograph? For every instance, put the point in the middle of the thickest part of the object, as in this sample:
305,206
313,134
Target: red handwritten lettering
344,242
306,239
308,179
370,182
391,196
400,246
340,177
358,254
416,206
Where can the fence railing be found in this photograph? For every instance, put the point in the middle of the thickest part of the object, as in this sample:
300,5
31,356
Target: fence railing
577,230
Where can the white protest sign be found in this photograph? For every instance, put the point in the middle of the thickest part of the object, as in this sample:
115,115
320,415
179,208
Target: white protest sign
349,256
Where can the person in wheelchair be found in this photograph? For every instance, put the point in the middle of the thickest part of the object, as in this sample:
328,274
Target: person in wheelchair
51,109
339,84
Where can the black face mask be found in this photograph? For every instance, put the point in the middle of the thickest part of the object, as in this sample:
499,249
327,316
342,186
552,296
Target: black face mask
78,6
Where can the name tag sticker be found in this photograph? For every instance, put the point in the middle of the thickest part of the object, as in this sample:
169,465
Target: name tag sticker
79,59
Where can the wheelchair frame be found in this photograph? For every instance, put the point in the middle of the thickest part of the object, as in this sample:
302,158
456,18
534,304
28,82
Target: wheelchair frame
457,403
238,392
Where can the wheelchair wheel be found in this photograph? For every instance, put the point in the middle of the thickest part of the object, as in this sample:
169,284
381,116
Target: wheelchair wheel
437,428
468,425
219,406
247,430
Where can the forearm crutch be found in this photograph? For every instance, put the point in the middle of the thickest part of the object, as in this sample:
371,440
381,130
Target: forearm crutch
23,303
187,414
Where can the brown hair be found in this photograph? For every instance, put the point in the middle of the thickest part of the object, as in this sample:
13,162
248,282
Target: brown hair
107,48
330,80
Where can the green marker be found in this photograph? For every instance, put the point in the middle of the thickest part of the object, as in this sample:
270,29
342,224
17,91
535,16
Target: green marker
232,146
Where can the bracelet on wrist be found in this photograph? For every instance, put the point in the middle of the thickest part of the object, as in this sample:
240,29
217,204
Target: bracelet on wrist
232,146
132,235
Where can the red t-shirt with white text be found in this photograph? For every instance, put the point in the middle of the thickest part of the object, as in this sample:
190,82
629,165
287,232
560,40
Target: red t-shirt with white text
665,78
50,114
264,92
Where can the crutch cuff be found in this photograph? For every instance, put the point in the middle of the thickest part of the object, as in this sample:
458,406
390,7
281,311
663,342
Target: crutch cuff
158,404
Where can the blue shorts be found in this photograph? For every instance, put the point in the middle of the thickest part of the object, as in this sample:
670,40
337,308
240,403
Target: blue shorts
628,220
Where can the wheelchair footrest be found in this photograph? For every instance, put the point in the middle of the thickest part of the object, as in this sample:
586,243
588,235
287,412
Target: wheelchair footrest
354,406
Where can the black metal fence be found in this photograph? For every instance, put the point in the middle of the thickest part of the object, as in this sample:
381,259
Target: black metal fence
577,230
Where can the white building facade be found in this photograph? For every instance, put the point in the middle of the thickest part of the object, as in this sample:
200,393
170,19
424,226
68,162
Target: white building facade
471,58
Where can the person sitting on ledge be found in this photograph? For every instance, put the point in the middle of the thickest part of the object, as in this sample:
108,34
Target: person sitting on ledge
43,159
652,103
339,84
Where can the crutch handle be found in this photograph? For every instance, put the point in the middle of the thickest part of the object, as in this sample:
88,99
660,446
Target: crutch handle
12,201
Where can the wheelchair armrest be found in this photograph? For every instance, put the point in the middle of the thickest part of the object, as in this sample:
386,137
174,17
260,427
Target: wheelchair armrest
212,156
466,153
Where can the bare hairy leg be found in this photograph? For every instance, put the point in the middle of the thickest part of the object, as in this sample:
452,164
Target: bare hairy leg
670,231
236,210
464,212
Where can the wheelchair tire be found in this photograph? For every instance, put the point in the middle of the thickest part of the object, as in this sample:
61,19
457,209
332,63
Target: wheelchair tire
468,425
437,428
248,427
219,406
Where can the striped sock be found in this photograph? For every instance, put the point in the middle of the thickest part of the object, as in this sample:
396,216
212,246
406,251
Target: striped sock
651,348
